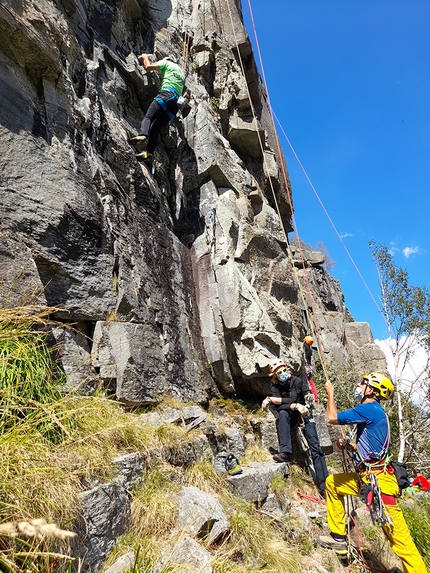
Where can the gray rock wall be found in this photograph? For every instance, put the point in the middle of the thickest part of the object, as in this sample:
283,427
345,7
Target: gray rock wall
179,284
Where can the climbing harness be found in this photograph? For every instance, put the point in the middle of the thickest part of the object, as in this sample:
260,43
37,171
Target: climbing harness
370,493
367,470
162,102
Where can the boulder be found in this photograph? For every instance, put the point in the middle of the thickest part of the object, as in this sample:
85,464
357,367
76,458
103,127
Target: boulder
122,564
201,515
130,468
253,484
186,554
105,515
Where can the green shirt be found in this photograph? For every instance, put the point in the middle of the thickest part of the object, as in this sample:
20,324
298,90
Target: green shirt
171,76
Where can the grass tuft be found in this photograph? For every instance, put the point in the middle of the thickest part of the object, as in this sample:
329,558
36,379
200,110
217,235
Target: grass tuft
153,507
417,517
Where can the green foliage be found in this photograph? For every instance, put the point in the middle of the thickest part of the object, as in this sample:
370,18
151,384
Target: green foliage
344,377
257,544
26,367
406,308
153,506
214,103
418,519
29,376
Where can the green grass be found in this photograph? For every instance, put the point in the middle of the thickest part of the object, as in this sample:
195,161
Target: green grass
252,544
28,374
417,516
50,443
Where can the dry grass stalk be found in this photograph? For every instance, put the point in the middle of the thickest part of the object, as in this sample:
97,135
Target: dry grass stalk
29,314
34,528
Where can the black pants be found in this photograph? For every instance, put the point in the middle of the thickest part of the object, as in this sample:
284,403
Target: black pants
288,420
156,117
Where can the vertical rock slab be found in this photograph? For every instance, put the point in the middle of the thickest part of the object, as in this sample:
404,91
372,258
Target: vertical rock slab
105,514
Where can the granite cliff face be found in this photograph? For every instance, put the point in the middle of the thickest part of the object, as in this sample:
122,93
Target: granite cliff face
183,283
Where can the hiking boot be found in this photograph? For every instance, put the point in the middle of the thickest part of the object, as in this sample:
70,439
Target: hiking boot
232,465
144,155
137,139
329,542
282,457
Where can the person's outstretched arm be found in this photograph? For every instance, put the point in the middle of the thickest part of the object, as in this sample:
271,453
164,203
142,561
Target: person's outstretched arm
147,64
331,404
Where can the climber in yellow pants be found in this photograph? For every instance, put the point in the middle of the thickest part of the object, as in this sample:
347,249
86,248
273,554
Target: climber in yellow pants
370,451
397,533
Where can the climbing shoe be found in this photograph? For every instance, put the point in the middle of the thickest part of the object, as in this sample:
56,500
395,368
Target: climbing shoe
232,465
144,155
137,139
282,457
338,545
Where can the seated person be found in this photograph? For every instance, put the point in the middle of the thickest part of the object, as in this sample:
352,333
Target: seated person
288,399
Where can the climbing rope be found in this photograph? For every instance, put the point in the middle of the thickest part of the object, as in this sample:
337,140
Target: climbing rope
309,303
374,504
327,214
381,516
187,41
273,115
312,498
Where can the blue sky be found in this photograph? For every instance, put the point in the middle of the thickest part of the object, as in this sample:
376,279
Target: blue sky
350,85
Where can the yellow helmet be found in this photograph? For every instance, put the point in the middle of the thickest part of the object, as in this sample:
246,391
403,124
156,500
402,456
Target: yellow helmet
308,340
383,385
275,365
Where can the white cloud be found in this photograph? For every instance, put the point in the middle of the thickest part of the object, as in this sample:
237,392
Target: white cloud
344,235
413,370
408,251
393,249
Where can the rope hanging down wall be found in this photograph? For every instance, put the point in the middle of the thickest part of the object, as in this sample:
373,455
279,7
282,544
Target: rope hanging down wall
356,555
312,320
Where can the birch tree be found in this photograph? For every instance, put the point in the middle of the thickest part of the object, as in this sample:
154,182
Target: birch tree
406,310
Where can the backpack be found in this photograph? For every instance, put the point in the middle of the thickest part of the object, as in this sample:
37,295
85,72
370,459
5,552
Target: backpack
401,474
